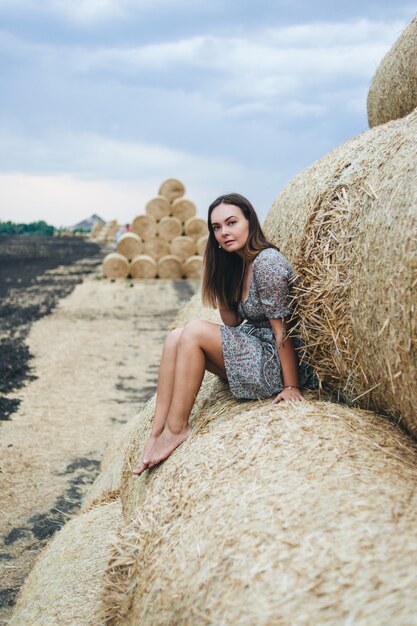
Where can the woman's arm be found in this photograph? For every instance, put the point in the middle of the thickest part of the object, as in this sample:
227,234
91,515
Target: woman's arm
289,364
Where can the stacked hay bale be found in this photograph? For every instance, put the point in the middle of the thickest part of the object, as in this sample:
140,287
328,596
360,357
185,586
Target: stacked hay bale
170,238
264,515
107,233
65,584
98,226
393,90
348,226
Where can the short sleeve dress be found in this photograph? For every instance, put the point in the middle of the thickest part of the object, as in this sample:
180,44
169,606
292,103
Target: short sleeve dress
250,352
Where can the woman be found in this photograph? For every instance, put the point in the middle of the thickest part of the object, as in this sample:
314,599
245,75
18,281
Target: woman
247,278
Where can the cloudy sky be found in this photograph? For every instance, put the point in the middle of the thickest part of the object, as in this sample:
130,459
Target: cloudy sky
101,100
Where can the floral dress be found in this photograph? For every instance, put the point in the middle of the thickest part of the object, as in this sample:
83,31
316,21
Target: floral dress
250,352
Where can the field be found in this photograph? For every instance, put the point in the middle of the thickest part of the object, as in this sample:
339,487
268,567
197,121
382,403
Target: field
79,357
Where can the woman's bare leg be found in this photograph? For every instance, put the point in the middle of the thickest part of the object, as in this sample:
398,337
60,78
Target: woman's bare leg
164,391
199,346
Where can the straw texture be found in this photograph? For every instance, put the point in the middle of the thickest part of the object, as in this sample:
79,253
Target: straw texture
183,247
202,244
156,248
348,224
170,267
193,267
65,585
172,189
393,90
145,226
158,207
115,265
143,266
296,514
106,486
130,245
169,228
183,209
195,228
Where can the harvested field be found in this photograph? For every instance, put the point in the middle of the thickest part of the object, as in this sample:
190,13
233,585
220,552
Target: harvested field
35,272
93,364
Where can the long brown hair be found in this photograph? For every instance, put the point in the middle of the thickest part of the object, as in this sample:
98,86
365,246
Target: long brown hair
223,271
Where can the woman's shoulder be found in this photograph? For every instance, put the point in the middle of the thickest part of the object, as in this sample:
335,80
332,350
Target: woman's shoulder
271,258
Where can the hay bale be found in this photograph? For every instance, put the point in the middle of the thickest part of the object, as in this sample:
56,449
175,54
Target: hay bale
115,265
195,228
158,207
183,209
183,247
130,245
347,224
202,244
169,228
193,267
194,310
65,585
172,189
106,486
145,227
393,90
296,514
143,266
170,267
156,248
98,226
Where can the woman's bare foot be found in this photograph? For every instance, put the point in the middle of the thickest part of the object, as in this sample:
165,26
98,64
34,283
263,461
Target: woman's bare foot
145,458
167,442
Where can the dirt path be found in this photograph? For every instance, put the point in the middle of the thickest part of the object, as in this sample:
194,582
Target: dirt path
96,361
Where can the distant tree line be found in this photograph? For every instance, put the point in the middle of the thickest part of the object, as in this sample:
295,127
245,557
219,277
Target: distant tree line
34,228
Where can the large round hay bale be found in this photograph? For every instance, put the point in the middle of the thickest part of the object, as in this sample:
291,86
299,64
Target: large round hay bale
170,266
143,266
183,209
183,247
172,189
156,248
130,245
115,265
193,266
195,227
169,228
145,226
65,586
393,90
202,244
158,207
106,486
296,514
348,226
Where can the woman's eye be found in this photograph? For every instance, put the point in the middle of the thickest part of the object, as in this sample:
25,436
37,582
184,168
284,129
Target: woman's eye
231,223
215,228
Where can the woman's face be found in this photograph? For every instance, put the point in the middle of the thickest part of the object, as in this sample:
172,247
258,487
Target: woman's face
230,227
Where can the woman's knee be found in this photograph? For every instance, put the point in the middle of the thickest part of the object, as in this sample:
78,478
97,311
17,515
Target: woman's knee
193,329
173,338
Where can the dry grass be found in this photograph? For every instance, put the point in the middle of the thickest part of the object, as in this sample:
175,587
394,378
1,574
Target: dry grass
393,90
65,585
106,486
296,514
348,224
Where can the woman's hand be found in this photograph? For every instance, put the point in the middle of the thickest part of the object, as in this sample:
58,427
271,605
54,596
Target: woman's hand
293,394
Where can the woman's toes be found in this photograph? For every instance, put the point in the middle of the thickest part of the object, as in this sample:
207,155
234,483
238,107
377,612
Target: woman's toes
141,467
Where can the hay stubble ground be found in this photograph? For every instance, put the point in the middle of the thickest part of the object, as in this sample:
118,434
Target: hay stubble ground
94,364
